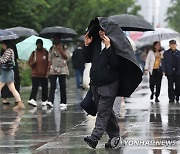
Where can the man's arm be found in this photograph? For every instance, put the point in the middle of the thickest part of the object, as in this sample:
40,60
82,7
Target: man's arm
87,48
163,62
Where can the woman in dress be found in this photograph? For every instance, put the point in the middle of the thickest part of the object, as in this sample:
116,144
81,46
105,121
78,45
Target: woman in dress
5,93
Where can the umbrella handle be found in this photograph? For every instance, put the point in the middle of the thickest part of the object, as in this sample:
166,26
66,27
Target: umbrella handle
34,56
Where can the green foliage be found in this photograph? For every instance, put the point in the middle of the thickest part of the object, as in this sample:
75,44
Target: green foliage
25,78
174,15
25,73
77,13
22,13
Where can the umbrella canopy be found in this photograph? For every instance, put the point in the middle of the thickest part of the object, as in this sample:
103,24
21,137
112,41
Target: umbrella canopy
129,22
7,35
26,47
130,74
66,40
81,38
65,32
158,35
22,31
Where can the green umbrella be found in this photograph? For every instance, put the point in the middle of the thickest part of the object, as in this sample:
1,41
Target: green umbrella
26,47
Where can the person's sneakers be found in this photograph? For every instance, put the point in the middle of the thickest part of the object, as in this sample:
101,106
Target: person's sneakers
33,110
32,102
152,96
49,104
92,143
44,103
63,106
114,143
157,100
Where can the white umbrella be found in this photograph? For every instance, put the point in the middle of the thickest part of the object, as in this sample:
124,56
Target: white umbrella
158,35
26,47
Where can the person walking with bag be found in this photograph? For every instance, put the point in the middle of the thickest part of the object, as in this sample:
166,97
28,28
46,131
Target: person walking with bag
153,66
38,62
7,73
114,72
5,93
58,56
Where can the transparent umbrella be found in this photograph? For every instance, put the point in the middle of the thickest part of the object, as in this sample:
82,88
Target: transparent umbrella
158,35
7,35
23,31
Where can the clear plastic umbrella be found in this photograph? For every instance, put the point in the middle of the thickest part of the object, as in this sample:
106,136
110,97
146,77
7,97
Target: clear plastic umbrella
23,31
158,35
7,35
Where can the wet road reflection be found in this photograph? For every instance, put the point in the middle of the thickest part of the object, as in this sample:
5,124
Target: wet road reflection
43,131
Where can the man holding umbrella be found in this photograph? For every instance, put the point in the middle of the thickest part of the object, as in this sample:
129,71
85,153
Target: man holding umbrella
114,72
171,68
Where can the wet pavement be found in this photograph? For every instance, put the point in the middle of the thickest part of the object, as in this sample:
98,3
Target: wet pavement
143,123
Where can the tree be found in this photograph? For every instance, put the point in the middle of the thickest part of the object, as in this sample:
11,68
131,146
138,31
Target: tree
77,14
174,15
22,13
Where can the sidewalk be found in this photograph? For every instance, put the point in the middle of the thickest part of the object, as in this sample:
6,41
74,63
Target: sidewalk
45,131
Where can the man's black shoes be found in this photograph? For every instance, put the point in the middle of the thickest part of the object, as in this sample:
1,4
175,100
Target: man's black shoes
157,100
91,142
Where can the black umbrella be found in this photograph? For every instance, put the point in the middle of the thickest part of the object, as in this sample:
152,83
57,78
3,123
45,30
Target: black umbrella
129,22
65,32
22,31
66,40
130,74
7,35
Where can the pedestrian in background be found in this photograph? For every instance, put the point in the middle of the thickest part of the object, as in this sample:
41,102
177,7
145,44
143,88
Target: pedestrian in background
7,73
38,63
58,56
78,64
153,66
5,93
171,68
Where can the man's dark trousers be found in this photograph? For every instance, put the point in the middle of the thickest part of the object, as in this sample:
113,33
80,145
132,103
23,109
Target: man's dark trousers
172,92
106,121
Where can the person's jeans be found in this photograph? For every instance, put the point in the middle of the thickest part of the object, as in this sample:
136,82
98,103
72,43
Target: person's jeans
62,83
36,81
79,77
